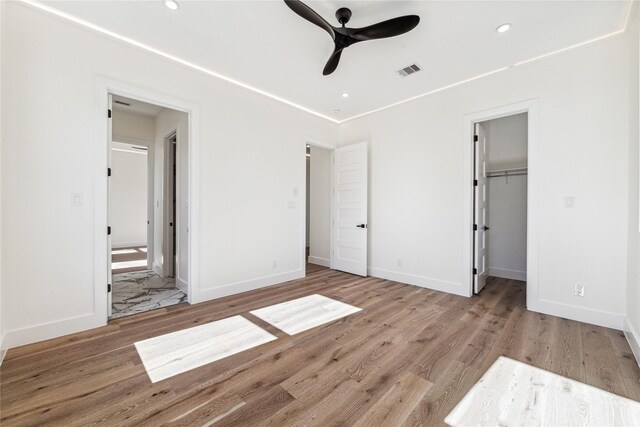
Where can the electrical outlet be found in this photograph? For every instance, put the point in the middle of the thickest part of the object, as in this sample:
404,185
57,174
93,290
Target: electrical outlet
77,199
579,292
569,202
275,264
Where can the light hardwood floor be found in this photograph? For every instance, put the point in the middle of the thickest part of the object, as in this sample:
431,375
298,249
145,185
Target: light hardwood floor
120,258
406,359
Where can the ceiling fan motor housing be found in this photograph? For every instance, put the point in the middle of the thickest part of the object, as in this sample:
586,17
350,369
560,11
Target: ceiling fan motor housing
343,15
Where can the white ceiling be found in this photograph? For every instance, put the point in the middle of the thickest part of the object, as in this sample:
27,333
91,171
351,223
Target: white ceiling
135,106
265,45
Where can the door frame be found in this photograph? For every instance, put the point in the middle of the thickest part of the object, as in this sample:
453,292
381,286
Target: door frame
531,108
103,88
167,205
303,212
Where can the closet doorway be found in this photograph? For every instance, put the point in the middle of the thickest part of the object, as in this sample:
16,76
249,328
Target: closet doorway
500,171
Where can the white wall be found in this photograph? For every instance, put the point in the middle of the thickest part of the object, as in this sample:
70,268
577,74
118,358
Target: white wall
417,167
320,206
2,323
507,197
632,326
128,198
249,151
507,148
128,126
248,160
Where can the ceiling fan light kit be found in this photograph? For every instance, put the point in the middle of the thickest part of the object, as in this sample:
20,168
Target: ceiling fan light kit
344,37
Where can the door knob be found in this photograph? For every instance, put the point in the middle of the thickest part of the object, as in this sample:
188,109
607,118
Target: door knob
361,225
485,228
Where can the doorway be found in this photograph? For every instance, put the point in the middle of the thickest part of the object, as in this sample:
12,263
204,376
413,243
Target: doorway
144,217
169,249
336,213
500,199
318,208
129,206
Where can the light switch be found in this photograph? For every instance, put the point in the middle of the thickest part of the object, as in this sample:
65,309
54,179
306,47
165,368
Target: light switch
77,199
569,202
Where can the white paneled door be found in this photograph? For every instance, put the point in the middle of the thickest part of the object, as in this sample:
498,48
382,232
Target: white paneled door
350,209
481,270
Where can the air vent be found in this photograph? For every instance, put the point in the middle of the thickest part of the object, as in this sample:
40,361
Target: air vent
122,103
409,70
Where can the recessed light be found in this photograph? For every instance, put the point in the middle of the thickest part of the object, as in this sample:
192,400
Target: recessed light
503,28
345,94
172,4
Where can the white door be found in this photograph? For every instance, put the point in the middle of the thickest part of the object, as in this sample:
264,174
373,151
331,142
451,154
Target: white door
481,270
350,209
109,274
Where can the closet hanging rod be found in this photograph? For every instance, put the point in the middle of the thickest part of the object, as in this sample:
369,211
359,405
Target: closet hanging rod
506,172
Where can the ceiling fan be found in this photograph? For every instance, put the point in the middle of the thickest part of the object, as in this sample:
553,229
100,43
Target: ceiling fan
344,37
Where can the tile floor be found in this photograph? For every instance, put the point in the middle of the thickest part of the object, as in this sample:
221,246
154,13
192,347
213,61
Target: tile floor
139,291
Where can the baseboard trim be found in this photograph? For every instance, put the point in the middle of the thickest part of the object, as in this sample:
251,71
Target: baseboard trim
182,285
156,269
633,338
3,349
421,281
45,331
580,314
319,261
508,274
202,295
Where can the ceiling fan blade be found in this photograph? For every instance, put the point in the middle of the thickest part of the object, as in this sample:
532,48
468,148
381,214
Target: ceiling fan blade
392,27
332,63
310,15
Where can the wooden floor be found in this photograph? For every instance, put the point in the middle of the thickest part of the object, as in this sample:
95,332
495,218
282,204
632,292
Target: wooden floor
406,359
139,253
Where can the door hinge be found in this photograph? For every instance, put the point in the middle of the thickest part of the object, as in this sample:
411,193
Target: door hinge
108,230
108,287
475,138
475,182
108,171
109,113
475,227
475,271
